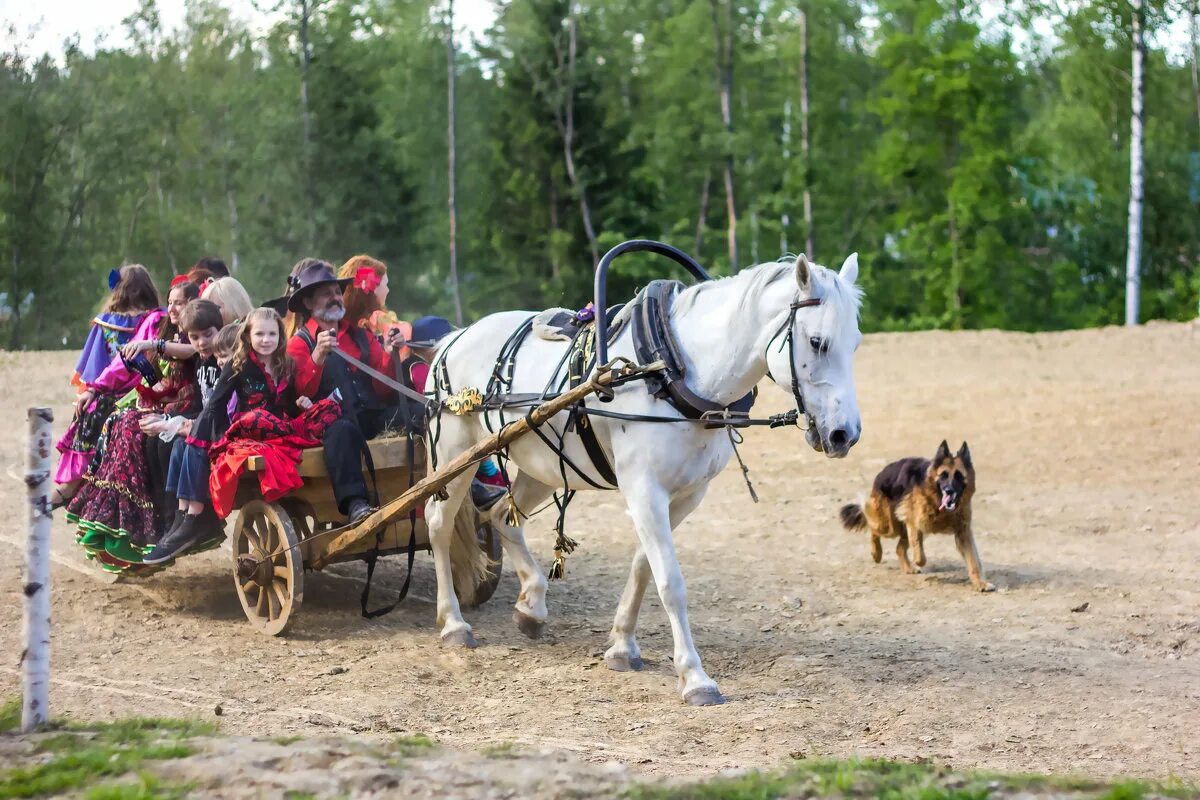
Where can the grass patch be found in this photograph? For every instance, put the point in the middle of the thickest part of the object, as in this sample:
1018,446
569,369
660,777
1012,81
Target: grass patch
890,780
412,744
10,715
82,755
500,750
285,740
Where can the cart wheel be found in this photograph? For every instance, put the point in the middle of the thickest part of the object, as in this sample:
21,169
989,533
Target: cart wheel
270,591
490,543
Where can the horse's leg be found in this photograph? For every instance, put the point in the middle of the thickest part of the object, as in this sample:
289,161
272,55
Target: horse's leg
439,518
624,654
530,611
650,509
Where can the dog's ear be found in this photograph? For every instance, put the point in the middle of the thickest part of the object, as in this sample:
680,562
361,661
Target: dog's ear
964,453
943,453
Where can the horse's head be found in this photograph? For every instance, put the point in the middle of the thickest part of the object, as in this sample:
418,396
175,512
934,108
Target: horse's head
818,337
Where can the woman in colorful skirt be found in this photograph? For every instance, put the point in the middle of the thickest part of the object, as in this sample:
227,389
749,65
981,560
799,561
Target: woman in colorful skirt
115,510
133,298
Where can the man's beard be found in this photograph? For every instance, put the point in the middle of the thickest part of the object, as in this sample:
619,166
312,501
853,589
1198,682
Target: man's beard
331,313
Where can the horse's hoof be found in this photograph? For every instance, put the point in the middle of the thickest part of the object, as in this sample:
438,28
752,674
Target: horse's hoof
528,625
460,638
624,663
704,696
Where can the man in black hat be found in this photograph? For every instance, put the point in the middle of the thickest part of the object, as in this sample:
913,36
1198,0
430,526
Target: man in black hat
370,406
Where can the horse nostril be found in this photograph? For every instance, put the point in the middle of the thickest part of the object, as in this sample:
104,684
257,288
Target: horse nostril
838,438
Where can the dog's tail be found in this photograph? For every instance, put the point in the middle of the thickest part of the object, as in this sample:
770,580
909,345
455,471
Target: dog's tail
853,518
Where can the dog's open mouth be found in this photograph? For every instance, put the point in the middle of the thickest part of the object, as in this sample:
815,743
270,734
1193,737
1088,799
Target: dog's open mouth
949,501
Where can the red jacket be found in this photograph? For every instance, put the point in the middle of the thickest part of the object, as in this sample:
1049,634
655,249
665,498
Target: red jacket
308,373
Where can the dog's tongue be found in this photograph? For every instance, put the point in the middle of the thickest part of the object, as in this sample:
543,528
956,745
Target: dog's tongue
945,501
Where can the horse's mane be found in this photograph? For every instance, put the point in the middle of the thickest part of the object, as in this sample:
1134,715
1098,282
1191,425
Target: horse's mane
841,296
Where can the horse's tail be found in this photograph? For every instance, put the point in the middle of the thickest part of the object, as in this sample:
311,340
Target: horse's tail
467,558
853,518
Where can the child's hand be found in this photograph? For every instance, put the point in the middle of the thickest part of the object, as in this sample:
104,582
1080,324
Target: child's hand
186,428
304,403
152,423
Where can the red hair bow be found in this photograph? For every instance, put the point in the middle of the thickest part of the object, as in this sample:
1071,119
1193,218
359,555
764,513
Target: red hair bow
178,279
367,279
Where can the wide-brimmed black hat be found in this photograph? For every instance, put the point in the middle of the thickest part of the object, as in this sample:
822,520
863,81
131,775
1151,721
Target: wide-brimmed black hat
309,278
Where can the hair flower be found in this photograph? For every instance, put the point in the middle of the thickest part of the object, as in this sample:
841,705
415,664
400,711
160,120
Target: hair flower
366,279
114,277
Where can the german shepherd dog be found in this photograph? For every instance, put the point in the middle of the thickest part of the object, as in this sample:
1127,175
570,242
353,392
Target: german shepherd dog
913,497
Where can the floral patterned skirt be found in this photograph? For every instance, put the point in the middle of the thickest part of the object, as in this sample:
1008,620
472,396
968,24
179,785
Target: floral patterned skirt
113,511
78,443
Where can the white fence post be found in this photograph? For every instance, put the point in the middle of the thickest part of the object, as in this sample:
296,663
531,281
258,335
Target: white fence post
35,660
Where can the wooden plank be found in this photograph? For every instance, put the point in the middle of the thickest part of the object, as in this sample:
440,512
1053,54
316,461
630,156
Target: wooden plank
386,453
438,480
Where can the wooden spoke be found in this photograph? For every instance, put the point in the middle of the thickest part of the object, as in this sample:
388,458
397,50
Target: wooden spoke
264,532
280,590
274,607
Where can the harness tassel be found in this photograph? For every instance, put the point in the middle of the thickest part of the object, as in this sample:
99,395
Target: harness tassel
563,546
512,519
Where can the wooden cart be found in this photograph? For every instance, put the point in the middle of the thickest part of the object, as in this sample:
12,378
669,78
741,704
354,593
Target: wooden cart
274,543
279,536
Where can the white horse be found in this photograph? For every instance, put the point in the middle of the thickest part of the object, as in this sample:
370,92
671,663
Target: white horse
732,332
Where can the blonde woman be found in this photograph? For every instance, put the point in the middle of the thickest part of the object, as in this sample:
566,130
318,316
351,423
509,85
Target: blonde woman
231,297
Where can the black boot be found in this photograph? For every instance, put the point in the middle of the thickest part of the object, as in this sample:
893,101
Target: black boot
175,522
176,542
484,496
212,530
357,510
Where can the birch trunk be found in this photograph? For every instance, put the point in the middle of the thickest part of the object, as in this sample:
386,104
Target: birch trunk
809,246
1192,37
724,67
452,161
310,192
784,218
35,659
569,136
702,214
1136,175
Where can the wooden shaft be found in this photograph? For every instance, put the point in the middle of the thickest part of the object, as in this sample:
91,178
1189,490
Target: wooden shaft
35,661
438,480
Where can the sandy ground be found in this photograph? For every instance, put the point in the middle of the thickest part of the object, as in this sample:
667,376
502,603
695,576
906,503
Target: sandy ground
1086,445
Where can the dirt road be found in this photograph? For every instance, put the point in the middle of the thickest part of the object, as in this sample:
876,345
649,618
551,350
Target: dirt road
1087,446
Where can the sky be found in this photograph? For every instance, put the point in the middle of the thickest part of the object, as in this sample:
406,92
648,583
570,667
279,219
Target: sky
42,27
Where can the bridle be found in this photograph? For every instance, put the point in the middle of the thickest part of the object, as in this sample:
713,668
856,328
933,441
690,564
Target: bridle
787,329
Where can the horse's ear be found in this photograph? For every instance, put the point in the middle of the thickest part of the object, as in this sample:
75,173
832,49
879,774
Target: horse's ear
943,452
802,273
964,453
849,271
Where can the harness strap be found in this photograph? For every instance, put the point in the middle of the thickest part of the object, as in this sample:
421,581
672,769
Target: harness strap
654,341
789,326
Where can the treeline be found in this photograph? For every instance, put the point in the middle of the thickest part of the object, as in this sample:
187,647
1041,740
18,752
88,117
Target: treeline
982,175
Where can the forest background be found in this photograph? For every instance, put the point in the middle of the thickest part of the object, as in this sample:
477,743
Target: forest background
979,162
